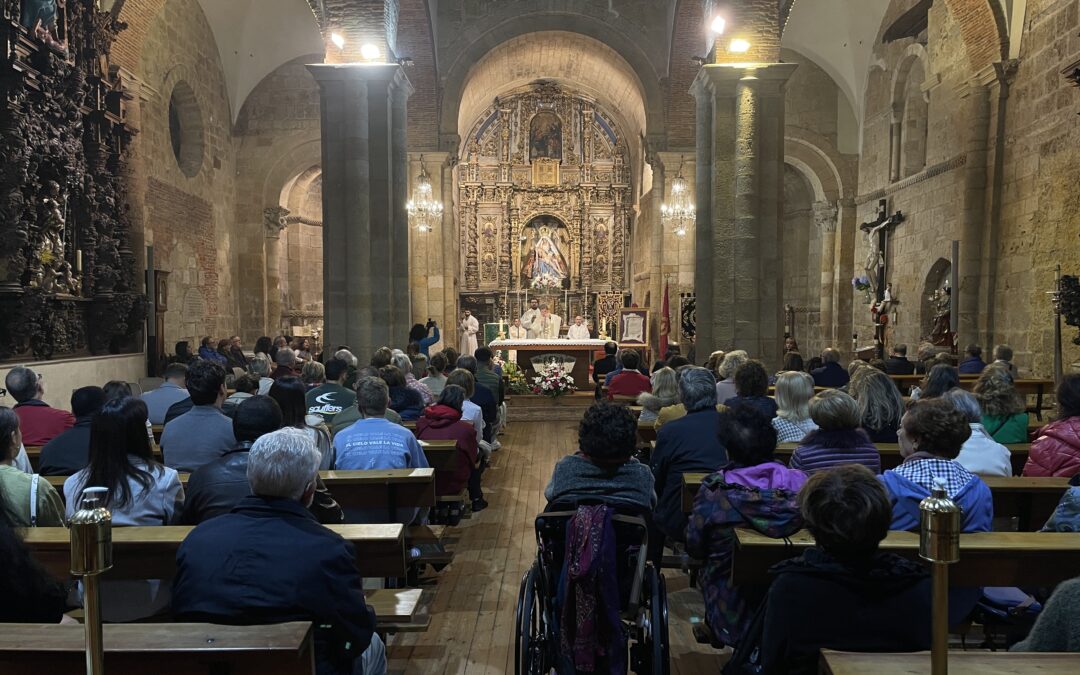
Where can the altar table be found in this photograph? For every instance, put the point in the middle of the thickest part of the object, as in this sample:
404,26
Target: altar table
580,350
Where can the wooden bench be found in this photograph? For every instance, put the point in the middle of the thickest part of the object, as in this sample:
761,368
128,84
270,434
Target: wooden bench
890,455
157,429
162,649
646,432
986,558
1029,500
150,552
960,663
1036,387
398,610
33,453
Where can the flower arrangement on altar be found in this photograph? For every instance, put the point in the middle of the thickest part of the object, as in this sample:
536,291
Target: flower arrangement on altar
516,381
862,284
553,381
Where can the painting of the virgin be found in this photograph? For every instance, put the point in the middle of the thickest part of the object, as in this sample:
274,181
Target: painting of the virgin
544,264
545,136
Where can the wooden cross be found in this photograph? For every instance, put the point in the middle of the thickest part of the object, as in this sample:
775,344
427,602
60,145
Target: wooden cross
877,237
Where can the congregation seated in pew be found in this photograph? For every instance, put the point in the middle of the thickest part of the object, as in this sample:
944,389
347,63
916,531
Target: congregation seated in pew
70,451
880,404
443,421
980,454
17,486
838,439
665,392
217,487
203,433
752,388
793,393
1056,450
752,490
289,392
243,567
40,422
373,442
30,594
1004,414
844,593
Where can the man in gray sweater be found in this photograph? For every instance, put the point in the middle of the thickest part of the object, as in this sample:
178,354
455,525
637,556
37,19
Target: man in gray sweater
203,433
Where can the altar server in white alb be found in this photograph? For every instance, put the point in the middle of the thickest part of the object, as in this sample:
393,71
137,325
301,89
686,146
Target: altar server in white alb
577,330
468,328
546,325
529,317
517,332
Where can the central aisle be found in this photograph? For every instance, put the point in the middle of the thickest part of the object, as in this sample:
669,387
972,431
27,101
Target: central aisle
472,616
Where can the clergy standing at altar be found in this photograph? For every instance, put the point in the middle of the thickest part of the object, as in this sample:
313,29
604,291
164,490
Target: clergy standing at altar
578,330
517,332
531,315
468,328
546,325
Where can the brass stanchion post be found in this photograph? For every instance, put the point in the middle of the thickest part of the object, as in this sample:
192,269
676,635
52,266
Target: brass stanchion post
91,555
939,543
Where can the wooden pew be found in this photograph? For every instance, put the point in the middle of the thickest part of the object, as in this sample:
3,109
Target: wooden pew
359,489
162,649
1036,387
157,429
444,456
960,663
646,432
986,558
890,455
1029,500
150,552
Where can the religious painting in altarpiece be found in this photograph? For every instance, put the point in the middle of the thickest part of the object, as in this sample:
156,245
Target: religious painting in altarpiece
545,201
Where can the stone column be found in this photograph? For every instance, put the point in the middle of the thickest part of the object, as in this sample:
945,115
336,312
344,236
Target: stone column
360,221
972,226
739,267
826,215
896,139
275,224
400,298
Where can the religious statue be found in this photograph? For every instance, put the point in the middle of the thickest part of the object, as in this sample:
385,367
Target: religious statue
941,332
40,17
876,242
49,264
544,265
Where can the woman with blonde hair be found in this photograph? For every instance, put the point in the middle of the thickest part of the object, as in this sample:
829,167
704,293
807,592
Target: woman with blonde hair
725,373
313,374
1003,413
665,392
880,404
793,393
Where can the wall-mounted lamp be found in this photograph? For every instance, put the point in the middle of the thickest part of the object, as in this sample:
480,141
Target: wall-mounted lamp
739,46
370,52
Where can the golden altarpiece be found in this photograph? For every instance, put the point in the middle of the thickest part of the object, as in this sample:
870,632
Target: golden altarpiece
544,206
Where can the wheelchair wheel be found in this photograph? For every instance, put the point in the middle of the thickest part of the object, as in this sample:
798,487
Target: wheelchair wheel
530,640
656,653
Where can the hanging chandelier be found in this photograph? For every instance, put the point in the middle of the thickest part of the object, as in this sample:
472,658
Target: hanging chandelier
423,209
678,212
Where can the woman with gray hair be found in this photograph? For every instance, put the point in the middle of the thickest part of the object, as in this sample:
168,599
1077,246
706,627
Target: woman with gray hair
404,364
725,388
793,393
260,368
980,454
838,440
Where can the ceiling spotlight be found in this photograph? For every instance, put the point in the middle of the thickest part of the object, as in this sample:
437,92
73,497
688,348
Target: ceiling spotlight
338,39
718,25
739,46
370,52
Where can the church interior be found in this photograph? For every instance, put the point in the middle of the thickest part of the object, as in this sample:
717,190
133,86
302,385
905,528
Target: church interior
860,182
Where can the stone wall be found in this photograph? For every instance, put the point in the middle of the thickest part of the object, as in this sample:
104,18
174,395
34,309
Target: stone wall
188,211
1040,199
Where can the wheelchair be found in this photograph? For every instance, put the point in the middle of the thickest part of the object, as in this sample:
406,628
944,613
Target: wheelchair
643,609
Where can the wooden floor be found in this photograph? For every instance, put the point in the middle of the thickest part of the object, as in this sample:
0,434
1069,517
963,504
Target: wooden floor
472,617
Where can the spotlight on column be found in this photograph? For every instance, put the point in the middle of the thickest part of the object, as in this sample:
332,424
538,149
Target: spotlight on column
739,47
718,25
370,52
338,39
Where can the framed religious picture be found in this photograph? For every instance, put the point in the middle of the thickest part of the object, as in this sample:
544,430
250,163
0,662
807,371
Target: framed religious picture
633,326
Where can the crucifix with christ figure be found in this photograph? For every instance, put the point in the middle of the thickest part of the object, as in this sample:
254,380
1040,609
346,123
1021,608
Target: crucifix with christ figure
877,239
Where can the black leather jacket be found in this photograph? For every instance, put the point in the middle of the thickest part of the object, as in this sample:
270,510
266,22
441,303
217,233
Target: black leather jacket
217,487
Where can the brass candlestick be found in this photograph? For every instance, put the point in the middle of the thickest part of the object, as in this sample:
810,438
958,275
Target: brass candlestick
91,555
939,544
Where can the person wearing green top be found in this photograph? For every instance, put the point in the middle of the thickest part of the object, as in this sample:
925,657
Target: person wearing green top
1003,413
16,486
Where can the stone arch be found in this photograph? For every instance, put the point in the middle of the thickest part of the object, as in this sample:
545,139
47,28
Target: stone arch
911,112
983,30
458,71
822,164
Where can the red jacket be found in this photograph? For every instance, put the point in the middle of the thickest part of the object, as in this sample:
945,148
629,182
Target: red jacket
628,383
443,423
41,423
1056,452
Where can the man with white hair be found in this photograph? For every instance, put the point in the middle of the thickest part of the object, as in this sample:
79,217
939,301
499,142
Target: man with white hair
578,330
243,568
286,363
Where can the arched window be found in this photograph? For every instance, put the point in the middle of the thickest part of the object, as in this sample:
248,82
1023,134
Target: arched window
910,107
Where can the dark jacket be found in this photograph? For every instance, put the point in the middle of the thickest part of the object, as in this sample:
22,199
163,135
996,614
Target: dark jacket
244,568
443,423
406,402
214,356
216,488
830,375
972,365
877,605
282,371
488,407
766,405
601,368
69,452
236,358
886,435
687,444
899,365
